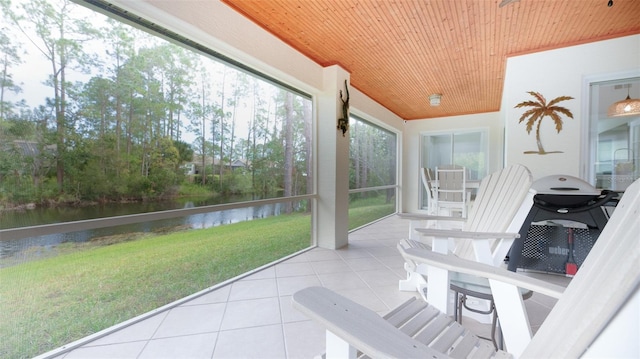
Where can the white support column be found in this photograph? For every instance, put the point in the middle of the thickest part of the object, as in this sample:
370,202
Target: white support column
332,163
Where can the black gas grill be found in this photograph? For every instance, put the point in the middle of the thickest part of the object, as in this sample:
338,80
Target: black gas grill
562,205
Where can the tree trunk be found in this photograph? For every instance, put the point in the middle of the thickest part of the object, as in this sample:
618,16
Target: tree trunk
538,141
288,150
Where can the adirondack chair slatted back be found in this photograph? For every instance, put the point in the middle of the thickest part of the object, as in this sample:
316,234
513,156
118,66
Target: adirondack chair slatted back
450,190
451,183
608,278
499,197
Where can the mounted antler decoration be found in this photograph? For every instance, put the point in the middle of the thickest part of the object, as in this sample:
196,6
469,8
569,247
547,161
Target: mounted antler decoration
540,109
343,123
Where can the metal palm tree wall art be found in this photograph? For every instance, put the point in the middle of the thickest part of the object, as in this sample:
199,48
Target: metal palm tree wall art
539,109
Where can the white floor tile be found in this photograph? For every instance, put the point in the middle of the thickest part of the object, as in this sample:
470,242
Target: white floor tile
121,351
304,339
290,285
320,254
191,319
359,264
220,295
253,289
251,313
286,269
332,266
337,281
262,342
269,272
199,346
379,277
136,332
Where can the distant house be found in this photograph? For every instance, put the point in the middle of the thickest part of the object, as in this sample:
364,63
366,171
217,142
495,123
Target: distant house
31,157
31,148
27,148
195,166
189,168
238,164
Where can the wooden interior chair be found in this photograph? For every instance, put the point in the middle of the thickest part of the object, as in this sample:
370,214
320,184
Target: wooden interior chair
595,316
503,201
450,190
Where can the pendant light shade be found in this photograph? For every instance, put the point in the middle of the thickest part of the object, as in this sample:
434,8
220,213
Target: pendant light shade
626,107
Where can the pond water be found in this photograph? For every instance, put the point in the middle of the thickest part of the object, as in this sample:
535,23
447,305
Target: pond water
20,250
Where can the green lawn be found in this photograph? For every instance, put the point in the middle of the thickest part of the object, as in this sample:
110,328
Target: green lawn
47,303
50,302
367,210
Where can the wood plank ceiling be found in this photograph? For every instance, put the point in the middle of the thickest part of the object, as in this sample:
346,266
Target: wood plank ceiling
400,51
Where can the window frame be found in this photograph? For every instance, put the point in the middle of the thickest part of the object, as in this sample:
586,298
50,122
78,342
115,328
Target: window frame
589,135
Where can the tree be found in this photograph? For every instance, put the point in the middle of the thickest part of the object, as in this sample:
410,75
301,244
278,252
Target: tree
8,57
119,51
308,136
200,111
59,36
163,162
240,89
178,79
288,148
539,110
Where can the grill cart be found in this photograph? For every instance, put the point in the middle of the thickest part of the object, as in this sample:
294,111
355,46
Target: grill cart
564,222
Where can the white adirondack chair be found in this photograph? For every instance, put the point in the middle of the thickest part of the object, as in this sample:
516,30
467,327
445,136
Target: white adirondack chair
503,201
595,316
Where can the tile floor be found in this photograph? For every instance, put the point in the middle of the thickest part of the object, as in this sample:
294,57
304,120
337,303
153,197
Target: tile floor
253,317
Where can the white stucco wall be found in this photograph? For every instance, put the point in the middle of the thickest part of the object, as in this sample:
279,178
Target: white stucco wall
559,73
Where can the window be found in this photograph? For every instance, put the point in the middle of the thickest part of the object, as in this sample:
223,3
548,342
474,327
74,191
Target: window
463,148
614,154
372,172
167,137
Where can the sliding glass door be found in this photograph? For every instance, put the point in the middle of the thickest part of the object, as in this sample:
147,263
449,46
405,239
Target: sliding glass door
467,148
614,154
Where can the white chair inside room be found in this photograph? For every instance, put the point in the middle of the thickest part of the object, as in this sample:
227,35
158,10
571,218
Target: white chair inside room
451,195
426,176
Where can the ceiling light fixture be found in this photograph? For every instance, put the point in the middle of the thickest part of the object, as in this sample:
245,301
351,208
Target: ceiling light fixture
626,107
434,99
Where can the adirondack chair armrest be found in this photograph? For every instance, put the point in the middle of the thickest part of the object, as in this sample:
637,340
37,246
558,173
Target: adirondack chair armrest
453,263
358,326
427,217
453,233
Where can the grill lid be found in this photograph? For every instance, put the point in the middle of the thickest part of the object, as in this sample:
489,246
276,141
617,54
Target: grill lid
565,194
564,185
